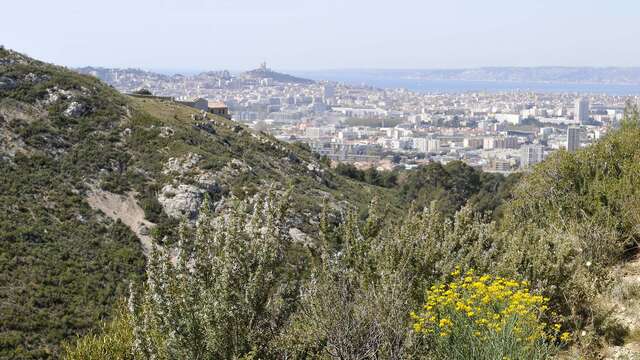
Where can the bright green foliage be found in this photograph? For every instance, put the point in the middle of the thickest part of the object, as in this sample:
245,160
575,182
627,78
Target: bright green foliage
114,342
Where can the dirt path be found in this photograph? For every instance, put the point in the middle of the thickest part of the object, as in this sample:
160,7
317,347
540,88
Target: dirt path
126,209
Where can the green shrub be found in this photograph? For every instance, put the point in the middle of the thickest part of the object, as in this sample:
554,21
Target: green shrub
113,341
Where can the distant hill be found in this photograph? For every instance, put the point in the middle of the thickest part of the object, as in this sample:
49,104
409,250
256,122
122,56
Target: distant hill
265,73
550,74
608,75
110,74
90,177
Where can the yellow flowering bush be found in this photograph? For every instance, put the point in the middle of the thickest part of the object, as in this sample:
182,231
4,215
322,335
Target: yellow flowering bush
486,317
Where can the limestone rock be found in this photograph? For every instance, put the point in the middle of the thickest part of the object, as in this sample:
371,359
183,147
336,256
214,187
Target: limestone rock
75,109
166,132
209,182
298,236
54,94
181,165
181,201
623,353
34,78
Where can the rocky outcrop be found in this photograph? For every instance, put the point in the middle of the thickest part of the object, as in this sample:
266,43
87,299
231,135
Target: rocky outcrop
182,165
166,131
622,302
209,182
35,78
181,201
76,109
300,237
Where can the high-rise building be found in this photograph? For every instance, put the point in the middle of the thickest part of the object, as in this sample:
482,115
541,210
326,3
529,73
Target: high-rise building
573,138
582,110
473,143
531,155
328,92
433,145
420,144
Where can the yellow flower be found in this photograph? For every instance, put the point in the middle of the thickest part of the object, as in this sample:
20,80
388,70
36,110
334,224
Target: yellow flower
484,305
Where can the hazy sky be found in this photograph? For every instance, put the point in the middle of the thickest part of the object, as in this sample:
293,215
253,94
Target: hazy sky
324,34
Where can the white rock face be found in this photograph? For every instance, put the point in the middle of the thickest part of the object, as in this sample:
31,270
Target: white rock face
208,181
181,165
298,236
623,353
181,201
75,109
33,78
166,132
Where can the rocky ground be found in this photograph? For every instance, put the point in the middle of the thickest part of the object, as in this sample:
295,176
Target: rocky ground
126,209
625,305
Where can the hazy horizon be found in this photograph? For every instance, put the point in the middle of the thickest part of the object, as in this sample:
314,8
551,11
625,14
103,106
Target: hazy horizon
310,35
187,71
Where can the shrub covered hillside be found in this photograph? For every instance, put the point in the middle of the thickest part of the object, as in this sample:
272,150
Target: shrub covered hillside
84,169
532,286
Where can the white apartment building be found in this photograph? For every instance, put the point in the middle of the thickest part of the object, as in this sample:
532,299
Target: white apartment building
420,144
509,118
433,145
506,142
531,155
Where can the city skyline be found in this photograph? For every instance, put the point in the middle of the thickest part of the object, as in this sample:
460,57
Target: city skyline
330,35
390,128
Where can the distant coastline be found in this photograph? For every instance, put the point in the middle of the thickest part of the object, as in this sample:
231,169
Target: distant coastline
575,80
452,86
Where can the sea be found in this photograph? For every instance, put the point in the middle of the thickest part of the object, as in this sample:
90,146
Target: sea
459,86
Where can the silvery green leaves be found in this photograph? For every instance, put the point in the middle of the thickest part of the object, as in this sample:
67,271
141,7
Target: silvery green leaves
219,294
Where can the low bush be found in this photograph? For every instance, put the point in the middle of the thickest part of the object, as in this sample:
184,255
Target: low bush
486,317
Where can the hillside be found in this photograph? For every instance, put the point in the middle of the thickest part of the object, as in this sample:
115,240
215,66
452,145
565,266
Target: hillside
131,79
553,74
87,173
91,178
556,276
266,73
